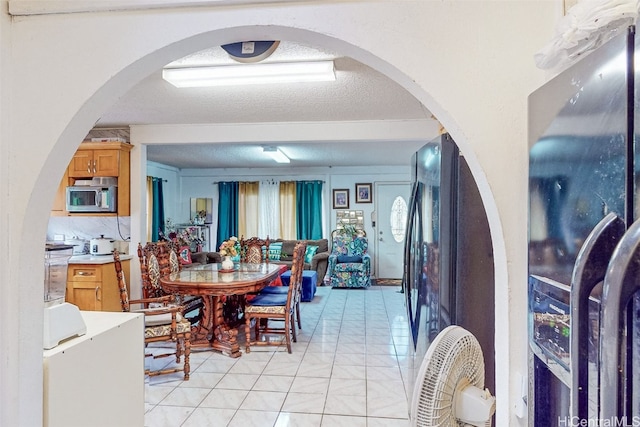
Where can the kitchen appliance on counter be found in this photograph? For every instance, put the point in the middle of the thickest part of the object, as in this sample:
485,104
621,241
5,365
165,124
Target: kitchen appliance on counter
101,246
80,246
61,319
100,194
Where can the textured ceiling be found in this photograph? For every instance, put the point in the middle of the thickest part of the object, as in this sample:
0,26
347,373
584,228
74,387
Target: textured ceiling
359,93
308,154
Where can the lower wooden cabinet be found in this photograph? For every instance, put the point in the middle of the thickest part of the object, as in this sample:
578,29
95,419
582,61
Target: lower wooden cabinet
94,287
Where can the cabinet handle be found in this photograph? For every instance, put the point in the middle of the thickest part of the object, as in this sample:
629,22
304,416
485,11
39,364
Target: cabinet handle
95,164
88,166
84,273
97,293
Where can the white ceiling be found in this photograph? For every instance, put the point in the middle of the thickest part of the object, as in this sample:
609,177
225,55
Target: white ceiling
358,94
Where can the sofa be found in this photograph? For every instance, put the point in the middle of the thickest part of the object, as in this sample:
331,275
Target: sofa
318,260
198,258
282,256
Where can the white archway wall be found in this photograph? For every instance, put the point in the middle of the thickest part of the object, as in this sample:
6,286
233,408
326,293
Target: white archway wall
469,62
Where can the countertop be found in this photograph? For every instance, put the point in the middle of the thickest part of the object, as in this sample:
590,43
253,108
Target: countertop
96,259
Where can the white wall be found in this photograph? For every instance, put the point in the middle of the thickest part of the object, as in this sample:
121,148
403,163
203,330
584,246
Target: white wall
202,183
470,63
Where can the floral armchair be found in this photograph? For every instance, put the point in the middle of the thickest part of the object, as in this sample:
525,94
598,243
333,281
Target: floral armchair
349,262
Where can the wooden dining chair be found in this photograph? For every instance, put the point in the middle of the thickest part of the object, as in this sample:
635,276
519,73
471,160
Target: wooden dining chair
254,250
297,295
166,256
283,290
276,307
163,322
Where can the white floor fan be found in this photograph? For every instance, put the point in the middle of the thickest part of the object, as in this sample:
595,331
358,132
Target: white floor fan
449,390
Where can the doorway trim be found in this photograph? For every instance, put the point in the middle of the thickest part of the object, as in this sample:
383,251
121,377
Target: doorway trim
95,93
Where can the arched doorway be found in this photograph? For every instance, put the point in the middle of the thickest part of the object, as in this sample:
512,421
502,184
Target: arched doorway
106,87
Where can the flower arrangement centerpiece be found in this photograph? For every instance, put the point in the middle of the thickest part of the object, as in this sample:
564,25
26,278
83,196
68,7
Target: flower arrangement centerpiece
228,249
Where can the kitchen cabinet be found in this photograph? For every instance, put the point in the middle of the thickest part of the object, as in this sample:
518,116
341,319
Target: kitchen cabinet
90,163
98,159
94,287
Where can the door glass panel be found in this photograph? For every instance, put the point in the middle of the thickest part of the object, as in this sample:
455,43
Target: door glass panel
398,218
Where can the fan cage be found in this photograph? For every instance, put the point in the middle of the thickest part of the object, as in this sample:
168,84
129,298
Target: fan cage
455,356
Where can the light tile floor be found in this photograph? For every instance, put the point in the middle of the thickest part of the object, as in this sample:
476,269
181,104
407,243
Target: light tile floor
348,368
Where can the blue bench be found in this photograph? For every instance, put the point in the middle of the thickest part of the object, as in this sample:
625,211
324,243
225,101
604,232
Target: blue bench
309,283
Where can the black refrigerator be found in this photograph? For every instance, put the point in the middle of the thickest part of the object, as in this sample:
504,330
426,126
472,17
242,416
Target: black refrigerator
583,241
448,260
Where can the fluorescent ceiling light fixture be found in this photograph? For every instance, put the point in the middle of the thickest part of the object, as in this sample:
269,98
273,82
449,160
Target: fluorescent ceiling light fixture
246,74
276,154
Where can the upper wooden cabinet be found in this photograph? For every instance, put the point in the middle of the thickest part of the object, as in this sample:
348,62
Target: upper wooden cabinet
99,162
109,159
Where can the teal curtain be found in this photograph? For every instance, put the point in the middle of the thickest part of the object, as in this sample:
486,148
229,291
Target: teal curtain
227,211
309,209
157,215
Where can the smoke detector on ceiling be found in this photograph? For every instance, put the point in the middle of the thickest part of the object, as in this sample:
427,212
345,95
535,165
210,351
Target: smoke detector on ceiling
250,51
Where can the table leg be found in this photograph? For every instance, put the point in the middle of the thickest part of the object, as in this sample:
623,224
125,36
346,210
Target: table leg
224,338
212,331
201,332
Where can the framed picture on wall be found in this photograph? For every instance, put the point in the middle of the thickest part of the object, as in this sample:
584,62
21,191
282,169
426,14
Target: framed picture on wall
201,211
341,198
363,193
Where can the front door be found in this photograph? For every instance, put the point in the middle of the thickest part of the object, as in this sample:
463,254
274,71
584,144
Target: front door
391,204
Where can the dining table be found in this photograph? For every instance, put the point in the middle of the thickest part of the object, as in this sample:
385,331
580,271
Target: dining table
213,284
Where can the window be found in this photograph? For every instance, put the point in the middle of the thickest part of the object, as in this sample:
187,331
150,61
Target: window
398,218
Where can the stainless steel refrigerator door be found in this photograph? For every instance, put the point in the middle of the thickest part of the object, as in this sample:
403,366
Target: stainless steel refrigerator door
589,272
581,138
428,284
617,332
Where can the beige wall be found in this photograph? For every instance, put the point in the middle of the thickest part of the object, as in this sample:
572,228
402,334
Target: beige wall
469,62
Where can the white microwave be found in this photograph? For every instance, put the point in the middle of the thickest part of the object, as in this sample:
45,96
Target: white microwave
91,199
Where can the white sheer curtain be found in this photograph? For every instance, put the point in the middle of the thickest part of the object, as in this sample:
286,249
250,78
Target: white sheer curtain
269,209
